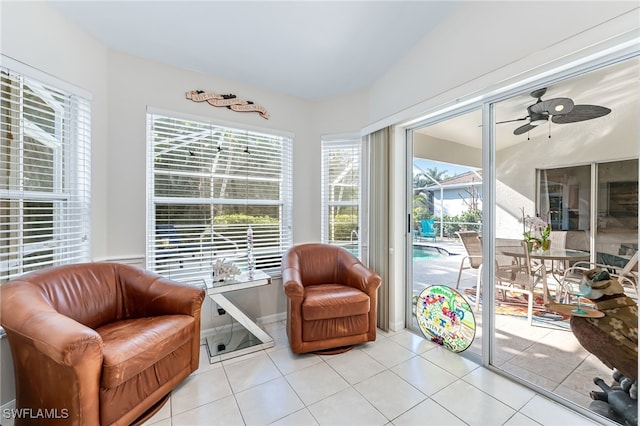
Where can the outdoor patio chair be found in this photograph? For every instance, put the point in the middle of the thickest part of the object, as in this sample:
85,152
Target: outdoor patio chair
473,260
428,229
515,272
558,240
627,276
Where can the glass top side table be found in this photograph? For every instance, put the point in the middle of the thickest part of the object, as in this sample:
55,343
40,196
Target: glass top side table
242,335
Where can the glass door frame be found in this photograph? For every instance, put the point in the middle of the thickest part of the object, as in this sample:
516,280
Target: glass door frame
487,103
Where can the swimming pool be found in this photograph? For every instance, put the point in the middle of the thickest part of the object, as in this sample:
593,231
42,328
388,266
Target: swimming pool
421,253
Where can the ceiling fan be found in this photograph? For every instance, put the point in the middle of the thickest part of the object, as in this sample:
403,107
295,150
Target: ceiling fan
561,111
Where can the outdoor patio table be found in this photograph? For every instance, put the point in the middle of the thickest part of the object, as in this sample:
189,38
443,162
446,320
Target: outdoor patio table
560,254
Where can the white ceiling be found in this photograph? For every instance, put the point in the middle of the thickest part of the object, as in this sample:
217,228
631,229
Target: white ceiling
307,49
615,87
320,49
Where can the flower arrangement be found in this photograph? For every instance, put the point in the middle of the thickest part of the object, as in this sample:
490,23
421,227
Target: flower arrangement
536,232
223,270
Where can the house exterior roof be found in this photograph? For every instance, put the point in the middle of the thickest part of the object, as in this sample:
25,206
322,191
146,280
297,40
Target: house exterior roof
458,180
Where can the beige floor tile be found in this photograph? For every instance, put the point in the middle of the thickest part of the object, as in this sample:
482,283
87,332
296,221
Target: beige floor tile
472,405
501,388
415,343
392,403
268,402
548,412
355,366
427,412
519,419
299,418
288,362
199,389
451,362
223,412
424,375
251,371
347,407
387,352
316,382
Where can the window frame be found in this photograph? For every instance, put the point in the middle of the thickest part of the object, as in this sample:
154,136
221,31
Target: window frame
46,134
339,143
194,253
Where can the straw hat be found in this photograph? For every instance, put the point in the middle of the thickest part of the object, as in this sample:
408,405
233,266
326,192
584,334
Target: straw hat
597,283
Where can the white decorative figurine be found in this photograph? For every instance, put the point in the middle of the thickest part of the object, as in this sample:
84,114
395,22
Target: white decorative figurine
223,270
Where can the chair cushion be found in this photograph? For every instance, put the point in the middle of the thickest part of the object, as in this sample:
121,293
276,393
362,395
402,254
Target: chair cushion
331,329
132,345
323,301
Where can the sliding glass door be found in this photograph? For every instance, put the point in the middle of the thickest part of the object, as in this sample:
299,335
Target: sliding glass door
576,172
446,199
570,179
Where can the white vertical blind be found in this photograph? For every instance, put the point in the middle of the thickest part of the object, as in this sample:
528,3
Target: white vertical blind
207,185
341,191
44,175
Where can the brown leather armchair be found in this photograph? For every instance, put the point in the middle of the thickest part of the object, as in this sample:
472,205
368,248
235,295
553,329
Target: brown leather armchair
331,299
99,343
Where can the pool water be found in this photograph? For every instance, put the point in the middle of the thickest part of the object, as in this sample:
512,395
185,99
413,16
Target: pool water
425,253
419,253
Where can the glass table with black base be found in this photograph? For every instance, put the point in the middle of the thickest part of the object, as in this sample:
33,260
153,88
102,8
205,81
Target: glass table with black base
242,335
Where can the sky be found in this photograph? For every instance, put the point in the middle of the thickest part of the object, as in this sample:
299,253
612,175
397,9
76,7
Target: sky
450,169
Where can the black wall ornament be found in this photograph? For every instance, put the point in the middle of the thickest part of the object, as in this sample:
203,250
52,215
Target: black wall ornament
230,101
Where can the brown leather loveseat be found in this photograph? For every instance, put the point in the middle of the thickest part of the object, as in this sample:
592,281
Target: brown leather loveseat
99,343
331,299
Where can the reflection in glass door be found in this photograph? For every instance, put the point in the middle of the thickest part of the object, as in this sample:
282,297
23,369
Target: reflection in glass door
567,173
617,213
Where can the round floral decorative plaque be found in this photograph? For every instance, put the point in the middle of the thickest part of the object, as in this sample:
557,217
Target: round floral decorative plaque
445,317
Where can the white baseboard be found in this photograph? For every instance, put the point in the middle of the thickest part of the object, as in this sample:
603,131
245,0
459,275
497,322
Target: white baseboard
396,326
270,319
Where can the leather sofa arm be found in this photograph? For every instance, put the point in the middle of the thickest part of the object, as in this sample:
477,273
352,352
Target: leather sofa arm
292,283
359,276
149,294
59,337
62,339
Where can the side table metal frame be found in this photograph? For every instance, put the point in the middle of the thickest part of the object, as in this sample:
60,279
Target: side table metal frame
216,291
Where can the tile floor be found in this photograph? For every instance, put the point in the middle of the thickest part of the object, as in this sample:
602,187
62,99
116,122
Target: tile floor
397,380
547,356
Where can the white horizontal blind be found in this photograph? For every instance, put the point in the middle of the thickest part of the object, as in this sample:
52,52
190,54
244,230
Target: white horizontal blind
44,175
208,184
341,192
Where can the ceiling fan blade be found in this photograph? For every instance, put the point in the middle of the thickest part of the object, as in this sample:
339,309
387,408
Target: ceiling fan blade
553,106
511,121
581,113
523,129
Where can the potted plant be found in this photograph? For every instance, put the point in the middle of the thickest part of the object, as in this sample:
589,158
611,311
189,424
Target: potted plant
536,232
